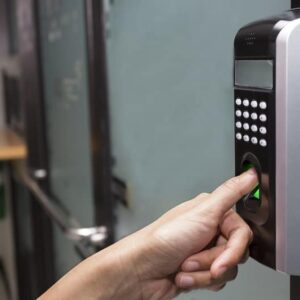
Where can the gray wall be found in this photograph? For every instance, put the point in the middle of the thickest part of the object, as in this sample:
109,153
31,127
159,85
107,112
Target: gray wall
170,65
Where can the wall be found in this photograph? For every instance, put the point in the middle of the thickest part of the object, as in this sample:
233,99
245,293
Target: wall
170,65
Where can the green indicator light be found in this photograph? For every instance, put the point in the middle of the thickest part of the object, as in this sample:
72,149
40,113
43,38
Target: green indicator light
256,193
247,166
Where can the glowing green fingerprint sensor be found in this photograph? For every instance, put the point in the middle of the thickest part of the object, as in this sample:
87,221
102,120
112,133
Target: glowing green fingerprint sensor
256,193
247,166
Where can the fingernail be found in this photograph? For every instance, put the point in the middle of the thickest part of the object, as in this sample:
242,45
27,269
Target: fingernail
186,281
191,266
221,272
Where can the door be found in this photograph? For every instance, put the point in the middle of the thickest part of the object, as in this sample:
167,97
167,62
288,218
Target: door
76,118
65,122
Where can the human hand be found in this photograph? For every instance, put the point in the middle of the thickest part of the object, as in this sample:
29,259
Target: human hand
198,244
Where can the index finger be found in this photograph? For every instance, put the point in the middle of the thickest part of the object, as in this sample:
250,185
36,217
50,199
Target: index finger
230,192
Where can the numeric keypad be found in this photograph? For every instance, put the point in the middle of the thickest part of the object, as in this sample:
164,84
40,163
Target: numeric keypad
251,121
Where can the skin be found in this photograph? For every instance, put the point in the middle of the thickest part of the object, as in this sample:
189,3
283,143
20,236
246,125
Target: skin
196,245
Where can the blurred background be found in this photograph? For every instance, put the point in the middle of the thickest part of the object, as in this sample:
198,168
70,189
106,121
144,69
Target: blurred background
111,113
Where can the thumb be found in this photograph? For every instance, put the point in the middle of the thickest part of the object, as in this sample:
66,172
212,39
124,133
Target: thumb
230,192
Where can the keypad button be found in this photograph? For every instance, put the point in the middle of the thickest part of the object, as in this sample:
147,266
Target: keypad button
238,113
263,118
246,114
246,126
238,125
254,128
254,140
263,143
263,130
246,102
254,116
246,138
254,104
238,136
263,105
238,101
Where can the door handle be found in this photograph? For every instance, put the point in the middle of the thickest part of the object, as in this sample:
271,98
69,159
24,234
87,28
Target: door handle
86,239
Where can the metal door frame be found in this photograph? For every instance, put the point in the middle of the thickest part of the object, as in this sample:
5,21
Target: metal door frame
100,144
295,280
36,139
34,129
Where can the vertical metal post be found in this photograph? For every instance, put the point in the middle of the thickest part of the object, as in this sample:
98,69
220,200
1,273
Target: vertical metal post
34,123
295,280
99,116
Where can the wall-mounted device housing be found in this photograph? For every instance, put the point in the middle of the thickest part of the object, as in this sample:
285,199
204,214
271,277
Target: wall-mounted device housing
267,136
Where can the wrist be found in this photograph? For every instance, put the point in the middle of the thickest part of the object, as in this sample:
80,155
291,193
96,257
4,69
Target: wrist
122,269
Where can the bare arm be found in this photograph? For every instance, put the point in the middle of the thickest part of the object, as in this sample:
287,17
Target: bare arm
198,244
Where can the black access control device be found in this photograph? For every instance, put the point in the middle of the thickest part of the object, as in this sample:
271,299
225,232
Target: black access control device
267,135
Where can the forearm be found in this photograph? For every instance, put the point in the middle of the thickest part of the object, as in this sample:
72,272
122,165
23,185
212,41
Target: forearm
155,263
109,274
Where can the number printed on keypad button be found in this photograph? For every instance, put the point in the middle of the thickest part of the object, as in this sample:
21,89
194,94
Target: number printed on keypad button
246,138
246,114
263,143
263,105
238,136
263,130
254,104
238,113
254,140
254,128
246,102
238,101
246,126
263,118
238,125
254,116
